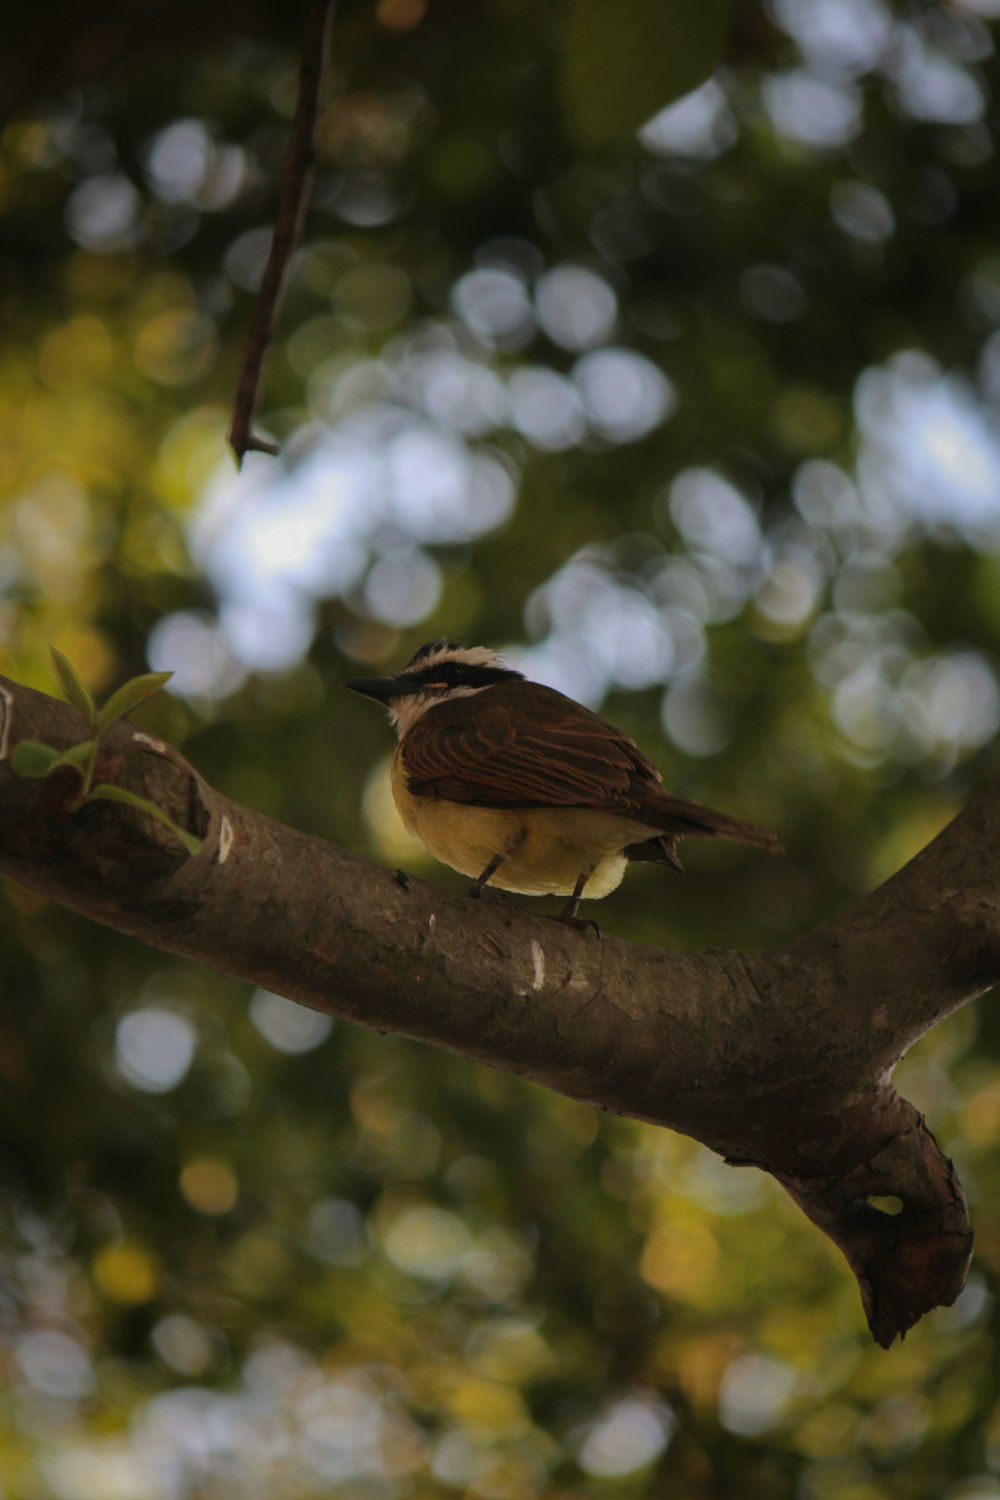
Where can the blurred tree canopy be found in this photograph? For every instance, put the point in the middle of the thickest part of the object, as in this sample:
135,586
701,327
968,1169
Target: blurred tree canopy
698,421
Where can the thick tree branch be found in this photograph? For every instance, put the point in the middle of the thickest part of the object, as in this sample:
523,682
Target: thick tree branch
296,185
779,1059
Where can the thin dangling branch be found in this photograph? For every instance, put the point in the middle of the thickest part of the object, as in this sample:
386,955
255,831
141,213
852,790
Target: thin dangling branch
287,230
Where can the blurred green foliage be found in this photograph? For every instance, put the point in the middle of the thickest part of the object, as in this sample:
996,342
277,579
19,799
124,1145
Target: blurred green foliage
701,424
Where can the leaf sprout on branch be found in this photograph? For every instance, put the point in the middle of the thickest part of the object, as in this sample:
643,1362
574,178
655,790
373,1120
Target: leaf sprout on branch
33,758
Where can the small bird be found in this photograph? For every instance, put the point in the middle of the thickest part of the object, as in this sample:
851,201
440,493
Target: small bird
523,788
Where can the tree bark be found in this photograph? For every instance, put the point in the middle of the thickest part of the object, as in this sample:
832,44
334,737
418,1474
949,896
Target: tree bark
781,1059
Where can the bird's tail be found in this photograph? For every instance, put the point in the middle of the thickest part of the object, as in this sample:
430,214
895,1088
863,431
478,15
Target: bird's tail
681,819
661,851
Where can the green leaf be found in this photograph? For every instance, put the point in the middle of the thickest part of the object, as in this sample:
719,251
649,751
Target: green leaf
108,793
32,758
76,756
131,694
625,60
72,686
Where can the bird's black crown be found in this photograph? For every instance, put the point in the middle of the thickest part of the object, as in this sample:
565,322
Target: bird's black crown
430,648
422,669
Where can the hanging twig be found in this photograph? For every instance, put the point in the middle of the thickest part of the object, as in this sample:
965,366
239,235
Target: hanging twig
287,230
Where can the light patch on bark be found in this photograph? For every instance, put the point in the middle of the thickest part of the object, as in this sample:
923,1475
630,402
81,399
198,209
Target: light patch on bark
225,839
538,963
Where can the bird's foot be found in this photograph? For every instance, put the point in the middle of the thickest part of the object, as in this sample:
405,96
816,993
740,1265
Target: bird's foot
402,880
479,884
569,912
489,893
579,924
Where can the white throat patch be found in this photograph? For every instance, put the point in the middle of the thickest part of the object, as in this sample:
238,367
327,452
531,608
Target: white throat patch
404,712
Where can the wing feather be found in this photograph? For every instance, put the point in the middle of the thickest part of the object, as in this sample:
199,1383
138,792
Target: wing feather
521,745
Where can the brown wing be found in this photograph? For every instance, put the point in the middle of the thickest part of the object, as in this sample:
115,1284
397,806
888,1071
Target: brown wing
520,744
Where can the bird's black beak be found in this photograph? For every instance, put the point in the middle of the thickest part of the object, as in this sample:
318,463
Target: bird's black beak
379,688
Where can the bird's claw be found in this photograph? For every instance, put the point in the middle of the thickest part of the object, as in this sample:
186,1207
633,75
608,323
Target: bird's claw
579,924
490,893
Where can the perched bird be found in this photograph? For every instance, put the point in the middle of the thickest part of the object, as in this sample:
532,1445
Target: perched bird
521,787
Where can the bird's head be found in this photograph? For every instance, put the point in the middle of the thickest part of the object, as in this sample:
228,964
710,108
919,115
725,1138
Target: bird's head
440,671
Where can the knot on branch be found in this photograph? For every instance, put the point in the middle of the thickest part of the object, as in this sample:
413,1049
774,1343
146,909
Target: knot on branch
901,1220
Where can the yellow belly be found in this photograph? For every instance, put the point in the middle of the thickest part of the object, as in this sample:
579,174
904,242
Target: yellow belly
545,850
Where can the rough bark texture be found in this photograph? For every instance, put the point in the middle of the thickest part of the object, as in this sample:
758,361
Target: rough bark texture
780,1059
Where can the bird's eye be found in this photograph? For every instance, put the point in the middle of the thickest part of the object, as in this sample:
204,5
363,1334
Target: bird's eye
446,674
